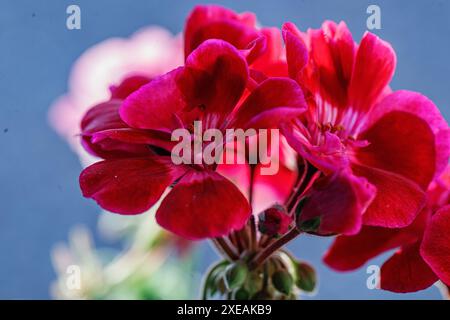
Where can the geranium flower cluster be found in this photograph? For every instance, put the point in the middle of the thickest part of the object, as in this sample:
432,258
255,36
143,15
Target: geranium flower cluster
357,160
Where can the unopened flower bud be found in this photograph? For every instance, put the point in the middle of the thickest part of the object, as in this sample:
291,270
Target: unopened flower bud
235,275
283,281
241,294
306,277
274,221
262,295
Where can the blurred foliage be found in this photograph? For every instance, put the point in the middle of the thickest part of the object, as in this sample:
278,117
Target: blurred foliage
145,263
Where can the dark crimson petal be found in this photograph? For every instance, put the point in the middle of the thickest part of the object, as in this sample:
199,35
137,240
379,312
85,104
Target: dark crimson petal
128,86
104,117
340,201
408,136
296,51
274,221
110,148
351,252
343,48
435,247
207,22
406,271
274,100
374,67
214,79
398,200
203,205
155,105
128,186
135,136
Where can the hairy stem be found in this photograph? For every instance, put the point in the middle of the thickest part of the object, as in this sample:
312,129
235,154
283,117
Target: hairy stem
225,249
262,256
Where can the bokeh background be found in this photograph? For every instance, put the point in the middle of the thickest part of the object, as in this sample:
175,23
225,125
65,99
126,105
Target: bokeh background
39,196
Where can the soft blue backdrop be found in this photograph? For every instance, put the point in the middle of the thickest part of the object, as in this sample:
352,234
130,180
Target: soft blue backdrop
39,196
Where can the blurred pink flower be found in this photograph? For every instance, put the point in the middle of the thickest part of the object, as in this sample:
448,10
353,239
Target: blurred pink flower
150,52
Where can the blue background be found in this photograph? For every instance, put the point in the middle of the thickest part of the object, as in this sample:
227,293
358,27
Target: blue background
39,196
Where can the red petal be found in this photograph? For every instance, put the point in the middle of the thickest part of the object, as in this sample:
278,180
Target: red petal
270,189
105,117
155,105
273,61
102,117
351,252
128,186
215,77
255,49
340,201
128,86
435,247
332,53
203,205
406,271
374,67
398,200
408,136
135,136
296,51
216,22
274,100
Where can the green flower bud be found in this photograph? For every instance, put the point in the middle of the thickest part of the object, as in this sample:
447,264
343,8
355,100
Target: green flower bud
235,275
306,277
241,294
262,295
283,281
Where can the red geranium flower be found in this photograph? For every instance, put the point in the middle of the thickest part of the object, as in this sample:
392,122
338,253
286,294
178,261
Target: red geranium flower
423,257
397,142
135,174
